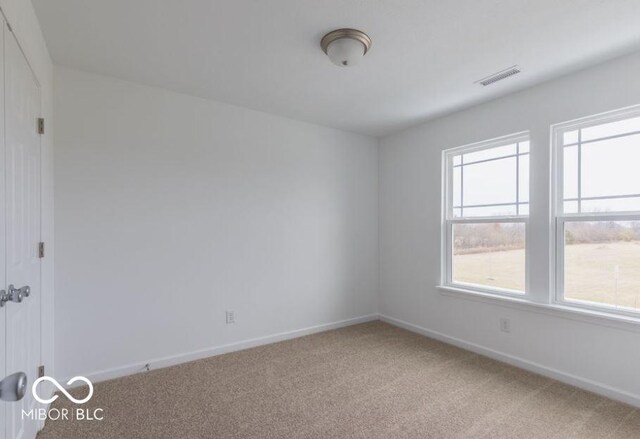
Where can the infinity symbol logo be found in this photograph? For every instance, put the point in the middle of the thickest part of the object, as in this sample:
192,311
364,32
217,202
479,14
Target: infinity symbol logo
62,389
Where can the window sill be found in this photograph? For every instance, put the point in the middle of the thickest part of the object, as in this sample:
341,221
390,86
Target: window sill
556,310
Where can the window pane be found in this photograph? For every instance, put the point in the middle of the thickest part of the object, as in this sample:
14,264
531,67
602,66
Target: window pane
457,182
610,167
457,159
490,182
608,205
524,147
611,129
570,137
601,262
570,182
570,207
490,153
524,179
524,209
490,254
475,212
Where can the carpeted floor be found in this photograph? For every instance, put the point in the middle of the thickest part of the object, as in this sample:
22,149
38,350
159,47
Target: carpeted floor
366,381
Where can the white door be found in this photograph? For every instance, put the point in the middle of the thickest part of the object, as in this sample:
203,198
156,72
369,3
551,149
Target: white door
3,241
22,217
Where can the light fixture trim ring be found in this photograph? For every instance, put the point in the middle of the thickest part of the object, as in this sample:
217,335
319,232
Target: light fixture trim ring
337,34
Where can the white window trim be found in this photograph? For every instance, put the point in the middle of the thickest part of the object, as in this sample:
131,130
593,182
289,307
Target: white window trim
446,261
558,218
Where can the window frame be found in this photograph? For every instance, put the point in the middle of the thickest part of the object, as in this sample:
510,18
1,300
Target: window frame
559,218
448,220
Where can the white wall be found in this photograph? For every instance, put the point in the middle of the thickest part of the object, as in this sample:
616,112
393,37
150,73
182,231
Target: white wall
23,21
172,209
604,358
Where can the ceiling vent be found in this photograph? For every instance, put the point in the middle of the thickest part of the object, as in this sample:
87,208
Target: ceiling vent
499,76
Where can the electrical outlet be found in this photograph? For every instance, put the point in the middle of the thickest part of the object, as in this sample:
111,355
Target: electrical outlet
505,325
231,317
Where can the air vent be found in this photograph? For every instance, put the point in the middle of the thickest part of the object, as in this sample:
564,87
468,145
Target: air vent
499,76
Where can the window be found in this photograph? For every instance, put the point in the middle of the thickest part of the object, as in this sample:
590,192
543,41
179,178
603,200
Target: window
597,211
486,207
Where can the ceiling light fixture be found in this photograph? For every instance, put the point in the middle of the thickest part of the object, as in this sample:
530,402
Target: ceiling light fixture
345,47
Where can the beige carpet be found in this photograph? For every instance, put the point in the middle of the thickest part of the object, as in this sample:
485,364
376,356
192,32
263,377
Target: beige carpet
366,381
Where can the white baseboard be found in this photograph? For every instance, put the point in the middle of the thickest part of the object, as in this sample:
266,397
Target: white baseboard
159,363
583,383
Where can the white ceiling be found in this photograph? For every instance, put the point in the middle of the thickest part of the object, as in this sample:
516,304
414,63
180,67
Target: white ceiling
265,54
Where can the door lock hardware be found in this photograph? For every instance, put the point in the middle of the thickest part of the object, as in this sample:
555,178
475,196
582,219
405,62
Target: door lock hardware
4,298
13,387
17,294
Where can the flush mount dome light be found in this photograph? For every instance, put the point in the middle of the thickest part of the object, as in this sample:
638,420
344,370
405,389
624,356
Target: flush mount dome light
345,47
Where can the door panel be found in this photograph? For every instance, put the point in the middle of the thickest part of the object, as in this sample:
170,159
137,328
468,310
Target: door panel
22,143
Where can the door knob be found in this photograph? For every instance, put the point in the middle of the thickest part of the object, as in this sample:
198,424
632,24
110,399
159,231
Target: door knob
17,294
13,387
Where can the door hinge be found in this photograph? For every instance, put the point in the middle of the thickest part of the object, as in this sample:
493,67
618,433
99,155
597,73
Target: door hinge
41,250
40,125
40,371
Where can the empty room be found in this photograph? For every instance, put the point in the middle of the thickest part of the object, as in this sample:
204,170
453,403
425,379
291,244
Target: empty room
368,219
